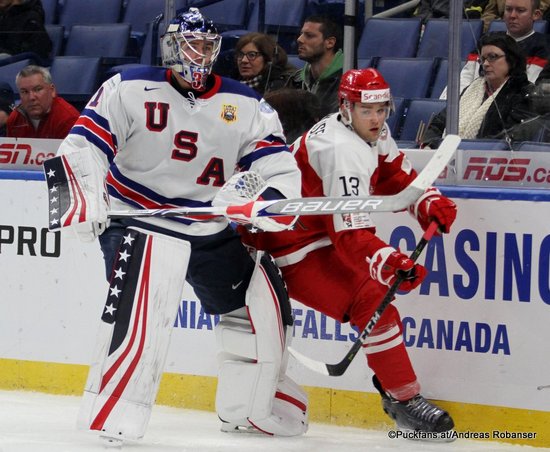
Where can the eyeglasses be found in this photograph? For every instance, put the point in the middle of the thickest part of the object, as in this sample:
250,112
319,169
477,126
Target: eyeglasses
251,56
491,58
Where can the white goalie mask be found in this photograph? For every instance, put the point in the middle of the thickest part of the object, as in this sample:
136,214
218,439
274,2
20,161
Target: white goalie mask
191,46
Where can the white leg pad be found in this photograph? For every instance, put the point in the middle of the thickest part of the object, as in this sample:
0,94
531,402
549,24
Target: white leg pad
134,334
253,389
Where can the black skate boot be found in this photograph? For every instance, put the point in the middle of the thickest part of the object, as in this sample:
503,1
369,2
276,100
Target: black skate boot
419,418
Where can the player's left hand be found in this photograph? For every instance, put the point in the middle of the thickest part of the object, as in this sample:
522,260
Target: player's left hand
433,206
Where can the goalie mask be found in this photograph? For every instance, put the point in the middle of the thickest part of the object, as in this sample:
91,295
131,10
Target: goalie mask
364,86
190,46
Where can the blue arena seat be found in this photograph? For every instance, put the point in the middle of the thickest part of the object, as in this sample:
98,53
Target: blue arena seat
84,12
104,40
440,79
226,14
499,25
57,35
435,39
383,37
484,145
283,18
51,11
230,38
395,119
139,13
419,113
9,71
407,77
532,146
76,78
363,63
296,62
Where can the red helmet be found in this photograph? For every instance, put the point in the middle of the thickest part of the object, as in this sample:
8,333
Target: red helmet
364,85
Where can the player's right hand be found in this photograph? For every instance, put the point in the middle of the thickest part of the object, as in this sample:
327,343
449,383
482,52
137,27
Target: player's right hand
387,263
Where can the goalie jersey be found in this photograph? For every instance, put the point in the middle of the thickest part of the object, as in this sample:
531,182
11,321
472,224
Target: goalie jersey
161,146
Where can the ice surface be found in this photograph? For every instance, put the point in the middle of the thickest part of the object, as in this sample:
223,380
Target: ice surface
35,422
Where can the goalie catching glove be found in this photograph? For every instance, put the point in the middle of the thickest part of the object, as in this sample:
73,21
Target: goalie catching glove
387,263
248,186
433,206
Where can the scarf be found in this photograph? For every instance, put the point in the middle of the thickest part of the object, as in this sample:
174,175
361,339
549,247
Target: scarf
253,82
473,108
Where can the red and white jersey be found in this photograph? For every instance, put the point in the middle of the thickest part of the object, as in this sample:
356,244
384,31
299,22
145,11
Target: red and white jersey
334,162
161,146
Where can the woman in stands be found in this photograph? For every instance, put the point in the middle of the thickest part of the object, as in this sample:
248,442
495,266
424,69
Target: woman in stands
261,63
494,102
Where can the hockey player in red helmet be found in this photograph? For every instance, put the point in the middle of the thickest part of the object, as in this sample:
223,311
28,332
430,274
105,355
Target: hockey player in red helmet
337,264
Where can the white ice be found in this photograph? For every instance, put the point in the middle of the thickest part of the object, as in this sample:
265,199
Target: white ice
35,422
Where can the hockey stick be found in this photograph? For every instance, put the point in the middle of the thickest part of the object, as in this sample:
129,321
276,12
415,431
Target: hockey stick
319,205
339,368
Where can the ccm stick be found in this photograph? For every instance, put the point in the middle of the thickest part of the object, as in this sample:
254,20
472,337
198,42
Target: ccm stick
319,205
339,368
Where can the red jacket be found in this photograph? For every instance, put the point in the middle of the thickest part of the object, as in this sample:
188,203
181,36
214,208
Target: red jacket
57,124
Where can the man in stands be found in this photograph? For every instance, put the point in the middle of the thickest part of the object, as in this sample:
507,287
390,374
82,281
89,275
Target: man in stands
320,45
519,16
494,10
41,114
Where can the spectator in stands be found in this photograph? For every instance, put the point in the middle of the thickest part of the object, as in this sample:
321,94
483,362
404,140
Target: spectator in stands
22,28
519,16
41,114
494,102
320,45
494,10
261,63
7,100
298,110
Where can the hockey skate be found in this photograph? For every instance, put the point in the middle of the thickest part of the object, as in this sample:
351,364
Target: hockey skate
417,418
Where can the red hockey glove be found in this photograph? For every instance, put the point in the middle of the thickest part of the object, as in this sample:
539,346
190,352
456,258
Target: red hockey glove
386,264
431,206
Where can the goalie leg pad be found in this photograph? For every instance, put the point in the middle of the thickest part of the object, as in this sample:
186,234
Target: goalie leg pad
253,389
144,294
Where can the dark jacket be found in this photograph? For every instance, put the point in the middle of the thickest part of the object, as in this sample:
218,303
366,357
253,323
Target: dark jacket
513,107
325,88
22,29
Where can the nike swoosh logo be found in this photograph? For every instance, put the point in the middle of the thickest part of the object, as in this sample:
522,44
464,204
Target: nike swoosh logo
149,89
235,286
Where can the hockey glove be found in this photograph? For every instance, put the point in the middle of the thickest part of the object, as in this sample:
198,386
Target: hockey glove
431,206
77,193
387,263
248,186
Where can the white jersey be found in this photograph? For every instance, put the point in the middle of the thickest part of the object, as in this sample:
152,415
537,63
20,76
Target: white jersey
336,162
164,147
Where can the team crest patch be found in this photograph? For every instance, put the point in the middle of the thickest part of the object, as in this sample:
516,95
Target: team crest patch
229,113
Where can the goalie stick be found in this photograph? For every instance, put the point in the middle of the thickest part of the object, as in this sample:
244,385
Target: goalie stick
339,368
319,205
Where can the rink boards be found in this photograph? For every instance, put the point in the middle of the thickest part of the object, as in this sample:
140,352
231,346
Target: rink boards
477,330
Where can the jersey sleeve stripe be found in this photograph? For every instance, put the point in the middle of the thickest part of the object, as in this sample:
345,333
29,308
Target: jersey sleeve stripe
97,132
131,192
269,146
